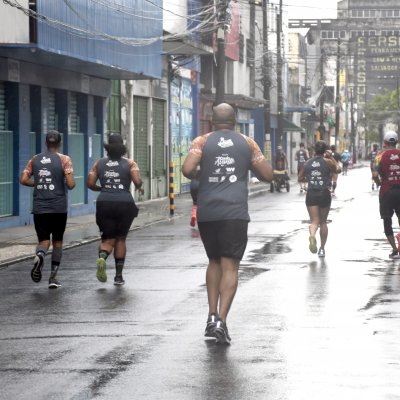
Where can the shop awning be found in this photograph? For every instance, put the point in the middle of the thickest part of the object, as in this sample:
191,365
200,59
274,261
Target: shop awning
289,126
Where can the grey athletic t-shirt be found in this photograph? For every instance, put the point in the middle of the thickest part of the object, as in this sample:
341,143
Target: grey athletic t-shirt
50,192
317,173
115,179
225,161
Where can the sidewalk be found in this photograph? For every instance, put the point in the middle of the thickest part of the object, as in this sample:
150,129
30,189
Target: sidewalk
17,244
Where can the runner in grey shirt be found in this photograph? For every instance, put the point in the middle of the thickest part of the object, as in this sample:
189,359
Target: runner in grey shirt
225,157
52,174
115,207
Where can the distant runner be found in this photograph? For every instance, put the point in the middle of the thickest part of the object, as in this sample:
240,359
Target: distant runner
387,176
301,157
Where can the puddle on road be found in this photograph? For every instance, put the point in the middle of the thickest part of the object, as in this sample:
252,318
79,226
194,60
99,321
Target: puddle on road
275,246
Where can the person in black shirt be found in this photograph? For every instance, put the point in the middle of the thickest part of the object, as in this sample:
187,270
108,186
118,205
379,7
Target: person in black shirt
52,174
318,173
115,207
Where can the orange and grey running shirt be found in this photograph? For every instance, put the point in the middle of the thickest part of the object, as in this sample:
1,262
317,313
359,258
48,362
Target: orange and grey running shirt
115,178
48,170
226,157
387,164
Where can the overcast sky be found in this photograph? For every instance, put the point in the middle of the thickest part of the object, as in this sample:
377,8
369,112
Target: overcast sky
309,8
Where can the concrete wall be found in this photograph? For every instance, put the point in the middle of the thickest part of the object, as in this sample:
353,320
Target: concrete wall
14,25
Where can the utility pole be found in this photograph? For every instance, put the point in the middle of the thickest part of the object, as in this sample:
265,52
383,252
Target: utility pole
279,74
222,6
266,77
252,31
352,127
398,106
322,97
337,99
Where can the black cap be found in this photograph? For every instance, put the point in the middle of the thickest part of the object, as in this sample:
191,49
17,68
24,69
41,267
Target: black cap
115,139
53,138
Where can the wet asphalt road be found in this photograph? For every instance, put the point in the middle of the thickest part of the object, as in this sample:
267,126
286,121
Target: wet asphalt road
301,327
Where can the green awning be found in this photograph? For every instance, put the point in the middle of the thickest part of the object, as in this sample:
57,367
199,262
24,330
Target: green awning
289,126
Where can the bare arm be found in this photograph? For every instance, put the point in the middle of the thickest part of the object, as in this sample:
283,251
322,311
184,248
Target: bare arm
92,179
189,167
263,171
70,180
137,180
26,180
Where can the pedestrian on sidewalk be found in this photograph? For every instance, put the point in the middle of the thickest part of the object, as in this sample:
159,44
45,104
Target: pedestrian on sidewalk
346,158
115,206
387,175
225,157
52,173
318,173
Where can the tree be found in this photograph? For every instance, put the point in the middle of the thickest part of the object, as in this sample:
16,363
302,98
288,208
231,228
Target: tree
383,109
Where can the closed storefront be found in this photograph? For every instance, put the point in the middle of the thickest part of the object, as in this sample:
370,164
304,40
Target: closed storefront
159,149
6,159
141,141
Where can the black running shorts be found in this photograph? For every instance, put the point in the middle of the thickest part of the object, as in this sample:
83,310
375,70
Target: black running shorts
224,238
114,218
47,225
321,198
390,203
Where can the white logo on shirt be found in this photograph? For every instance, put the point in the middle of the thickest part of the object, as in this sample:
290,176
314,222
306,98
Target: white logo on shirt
44,172
45,160
225,143
233,178
394,157
112,163
315,164
224,160
111,174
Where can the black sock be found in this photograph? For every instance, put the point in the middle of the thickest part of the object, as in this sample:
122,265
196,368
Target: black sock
119,266
54,268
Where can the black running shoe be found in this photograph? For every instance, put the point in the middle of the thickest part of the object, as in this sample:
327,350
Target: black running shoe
119,280
221,333
36,273
211,325
54,283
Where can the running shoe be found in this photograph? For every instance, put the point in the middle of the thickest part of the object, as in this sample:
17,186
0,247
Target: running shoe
119,280
221,333
211,325
54,283
313,244
321,252
394,255
101,270
36,273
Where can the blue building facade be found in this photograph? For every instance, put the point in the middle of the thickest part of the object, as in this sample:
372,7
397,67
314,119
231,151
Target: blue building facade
60,79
